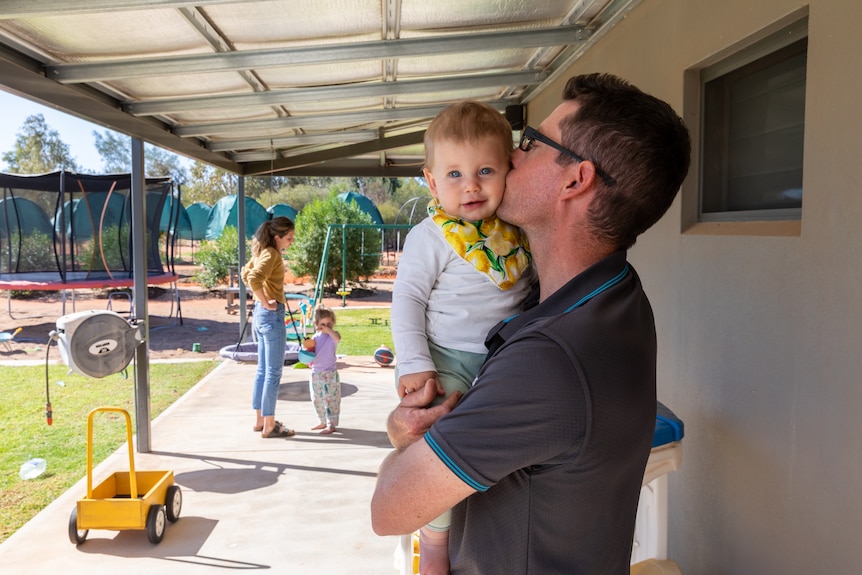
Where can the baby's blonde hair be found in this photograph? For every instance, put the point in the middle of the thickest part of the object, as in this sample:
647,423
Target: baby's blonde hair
467,121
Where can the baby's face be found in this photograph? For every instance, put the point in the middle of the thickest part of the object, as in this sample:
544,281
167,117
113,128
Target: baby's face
468,178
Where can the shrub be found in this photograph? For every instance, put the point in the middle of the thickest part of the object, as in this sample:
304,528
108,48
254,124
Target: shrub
217,256
362,245
115,249
36,254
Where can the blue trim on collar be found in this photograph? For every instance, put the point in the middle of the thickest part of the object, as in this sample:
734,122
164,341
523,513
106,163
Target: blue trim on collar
605,286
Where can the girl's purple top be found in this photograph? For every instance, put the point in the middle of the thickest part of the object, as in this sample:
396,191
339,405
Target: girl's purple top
324,352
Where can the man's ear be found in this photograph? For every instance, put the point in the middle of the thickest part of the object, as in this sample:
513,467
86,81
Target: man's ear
580,178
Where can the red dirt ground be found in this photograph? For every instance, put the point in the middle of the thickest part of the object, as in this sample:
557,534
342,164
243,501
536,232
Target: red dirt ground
205,318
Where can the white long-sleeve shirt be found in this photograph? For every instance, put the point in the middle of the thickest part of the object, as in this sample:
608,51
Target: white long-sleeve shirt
440,297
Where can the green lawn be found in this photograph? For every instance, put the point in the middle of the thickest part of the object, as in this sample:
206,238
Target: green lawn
362,330
63,445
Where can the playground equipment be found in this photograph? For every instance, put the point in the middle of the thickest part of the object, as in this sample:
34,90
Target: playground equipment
65,231
140,500
6,337
344,291
246,352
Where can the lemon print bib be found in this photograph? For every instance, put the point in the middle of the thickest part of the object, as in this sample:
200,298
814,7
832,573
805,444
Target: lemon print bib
495,248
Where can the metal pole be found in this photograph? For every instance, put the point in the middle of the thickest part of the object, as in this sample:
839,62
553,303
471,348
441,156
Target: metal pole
139,272
240,226
343,265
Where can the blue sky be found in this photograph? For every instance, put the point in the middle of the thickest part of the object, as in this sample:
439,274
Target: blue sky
76,133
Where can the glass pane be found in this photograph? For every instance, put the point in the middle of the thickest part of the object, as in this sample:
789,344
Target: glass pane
754,134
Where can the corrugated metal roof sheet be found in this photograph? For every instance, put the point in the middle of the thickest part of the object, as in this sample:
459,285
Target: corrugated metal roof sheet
341,87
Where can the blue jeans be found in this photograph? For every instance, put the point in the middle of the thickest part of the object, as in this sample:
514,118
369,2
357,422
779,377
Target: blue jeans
269,330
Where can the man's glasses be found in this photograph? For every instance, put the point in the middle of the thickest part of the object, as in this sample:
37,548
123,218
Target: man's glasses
531,135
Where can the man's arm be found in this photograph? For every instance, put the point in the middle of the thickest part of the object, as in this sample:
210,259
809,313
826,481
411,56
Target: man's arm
413,485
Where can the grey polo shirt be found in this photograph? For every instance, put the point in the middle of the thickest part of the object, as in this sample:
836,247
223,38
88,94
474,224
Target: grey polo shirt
555,433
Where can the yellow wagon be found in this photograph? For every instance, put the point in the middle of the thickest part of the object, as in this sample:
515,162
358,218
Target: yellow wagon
126,499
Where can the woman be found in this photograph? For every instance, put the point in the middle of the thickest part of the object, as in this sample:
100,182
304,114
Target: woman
264,275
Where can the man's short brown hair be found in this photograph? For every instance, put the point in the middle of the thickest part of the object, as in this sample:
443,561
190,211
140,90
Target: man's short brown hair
636,138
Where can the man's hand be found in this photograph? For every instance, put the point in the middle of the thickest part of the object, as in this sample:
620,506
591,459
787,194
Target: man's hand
412,418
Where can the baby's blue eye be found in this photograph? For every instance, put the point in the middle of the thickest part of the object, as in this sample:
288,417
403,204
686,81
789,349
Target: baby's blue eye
454,174
485,171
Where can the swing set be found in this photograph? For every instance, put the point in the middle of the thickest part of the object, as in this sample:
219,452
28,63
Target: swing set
344,290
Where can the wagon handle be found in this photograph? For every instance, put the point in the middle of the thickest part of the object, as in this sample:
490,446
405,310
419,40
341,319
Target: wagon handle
133,482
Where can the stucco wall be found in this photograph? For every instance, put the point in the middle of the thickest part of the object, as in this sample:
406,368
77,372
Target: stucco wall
759,335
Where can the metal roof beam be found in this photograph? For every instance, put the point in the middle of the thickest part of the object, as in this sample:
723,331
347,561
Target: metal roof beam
318,121
352,169
291,141
324,53
266,167
365,90
10,9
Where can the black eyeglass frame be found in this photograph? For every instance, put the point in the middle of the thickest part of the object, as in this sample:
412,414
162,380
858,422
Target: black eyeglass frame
531,134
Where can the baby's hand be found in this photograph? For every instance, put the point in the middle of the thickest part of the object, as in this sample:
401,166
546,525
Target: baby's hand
415,381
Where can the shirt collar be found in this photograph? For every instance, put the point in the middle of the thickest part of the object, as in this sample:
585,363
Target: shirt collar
577,291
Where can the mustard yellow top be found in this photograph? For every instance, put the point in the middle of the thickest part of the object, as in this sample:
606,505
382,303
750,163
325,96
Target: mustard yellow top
266,272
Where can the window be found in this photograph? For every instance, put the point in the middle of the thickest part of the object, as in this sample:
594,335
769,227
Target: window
752,132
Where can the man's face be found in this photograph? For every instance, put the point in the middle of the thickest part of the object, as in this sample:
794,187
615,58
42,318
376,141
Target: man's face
535,179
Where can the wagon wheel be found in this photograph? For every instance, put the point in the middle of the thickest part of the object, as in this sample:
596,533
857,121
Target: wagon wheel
76,536
173,503
156,524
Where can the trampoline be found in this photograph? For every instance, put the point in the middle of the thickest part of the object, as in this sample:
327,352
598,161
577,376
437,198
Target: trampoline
64,231
247,352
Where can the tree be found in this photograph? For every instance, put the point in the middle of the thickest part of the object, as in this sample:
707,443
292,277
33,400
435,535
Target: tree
39,149
116,152
209,184
362,244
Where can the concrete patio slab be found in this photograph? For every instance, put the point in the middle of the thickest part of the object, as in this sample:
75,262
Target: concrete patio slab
293,505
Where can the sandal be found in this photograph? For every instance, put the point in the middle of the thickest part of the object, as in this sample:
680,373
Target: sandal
278,431
259,428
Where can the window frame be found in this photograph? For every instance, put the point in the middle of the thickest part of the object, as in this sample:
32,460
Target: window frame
774,45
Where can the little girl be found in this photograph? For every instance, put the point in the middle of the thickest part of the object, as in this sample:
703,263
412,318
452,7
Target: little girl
324,385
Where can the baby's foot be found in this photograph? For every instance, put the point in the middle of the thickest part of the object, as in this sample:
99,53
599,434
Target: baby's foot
329,429
318,426
433,552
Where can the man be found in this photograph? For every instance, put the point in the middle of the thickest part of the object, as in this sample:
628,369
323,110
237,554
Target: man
543,458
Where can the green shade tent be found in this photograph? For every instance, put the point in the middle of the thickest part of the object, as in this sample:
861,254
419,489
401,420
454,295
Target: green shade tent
25,215
282,210
92,210
199,214
183,224
365,204
224,213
